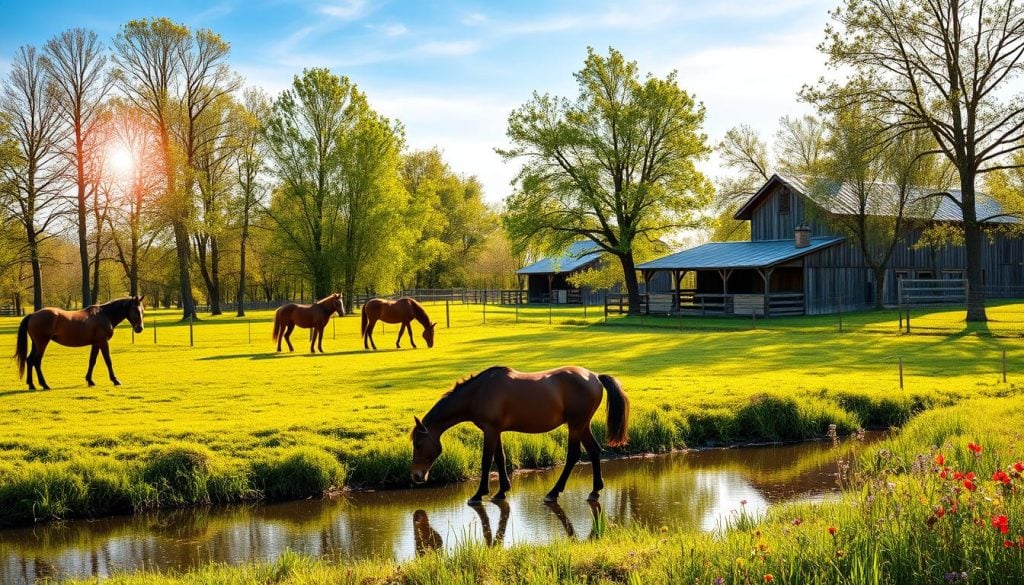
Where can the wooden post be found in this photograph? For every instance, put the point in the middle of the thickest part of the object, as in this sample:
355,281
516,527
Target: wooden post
250,330
517,312
154,331
584,308
133,336
606,306
334,330
1004,366
191,337
753,319
908,319
549,311
901,372
447,315
840,314
485,306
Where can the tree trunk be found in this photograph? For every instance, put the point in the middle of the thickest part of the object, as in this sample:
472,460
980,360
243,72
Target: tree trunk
37,273
243,240
879,286
214,277
96,272
632,284
181,244
83,240
972,248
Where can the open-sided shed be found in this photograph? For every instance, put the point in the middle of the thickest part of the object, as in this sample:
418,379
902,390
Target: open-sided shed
548,278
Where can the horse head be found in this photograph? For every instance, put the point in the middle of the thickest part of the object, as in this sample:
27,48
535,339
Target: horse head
338,304
136,313
428,334
426,448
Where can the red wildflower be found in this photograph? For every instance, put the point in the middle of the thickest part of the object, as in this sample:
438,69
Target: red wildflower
939,459
1019,466
975,448
969,485
1002,477
957,475
832,530
769,578
1001,523
970,475
1008,544
944,473
940,512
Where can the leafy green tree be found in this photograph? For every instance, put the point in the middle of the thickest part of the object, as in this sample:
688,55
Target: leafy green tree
616,164
249,166
948,67
339,199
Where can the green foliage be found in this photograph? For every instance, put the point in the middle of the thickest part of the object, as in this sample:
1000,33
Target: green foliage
578,182
298,473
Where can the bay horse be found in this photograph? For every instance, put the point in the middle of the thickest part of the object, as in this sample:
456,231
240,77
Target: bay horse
90,326
403,311
501,399
313,316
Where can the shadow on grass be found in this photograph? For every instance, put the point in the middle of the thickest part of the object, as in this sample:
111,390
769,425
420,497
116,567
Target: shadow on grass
269,355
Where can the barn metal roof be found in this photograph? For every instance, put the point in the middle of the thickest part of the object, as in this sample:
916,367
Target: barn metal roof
727,255
841,198
577,256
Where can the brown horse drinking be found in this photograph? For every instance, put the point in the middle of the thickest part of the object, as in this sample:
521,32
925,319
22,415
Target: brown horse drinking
315,316
500,399
91,326
402,311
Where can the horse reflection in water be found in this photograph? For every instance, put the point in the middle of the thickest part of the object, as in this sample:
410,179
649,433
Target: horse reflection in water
427,539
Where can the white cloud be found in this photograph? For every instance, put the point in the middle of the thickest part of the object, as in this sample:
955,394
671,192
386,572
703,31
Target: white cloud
344,9
389,30
454,48
474,19
215,12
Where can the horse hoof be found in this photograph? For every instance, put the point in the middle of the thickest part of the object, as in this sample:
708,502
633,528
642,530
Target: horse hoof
91,383
116,382
550,499
593,497
45,387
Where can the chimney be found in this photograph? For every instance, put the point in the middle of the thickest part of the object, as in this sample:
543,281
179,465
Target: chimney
803,235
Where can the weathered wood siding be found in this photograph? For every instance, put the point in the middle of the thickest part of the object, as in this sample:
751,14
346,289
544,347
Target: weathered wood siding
768,222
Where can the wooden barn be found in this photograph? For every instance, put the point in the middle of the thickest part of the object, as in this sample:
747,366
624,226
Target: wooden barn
793,264
548,278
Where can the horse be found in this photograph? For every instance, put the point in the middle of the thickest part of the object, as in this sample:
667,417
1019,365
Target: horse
91,326
501,399
403,311
316,316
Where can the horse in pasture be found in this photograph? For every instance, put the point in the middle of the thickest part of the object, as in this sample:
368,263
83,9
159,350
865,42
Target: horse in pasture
313,316
500,399
402,311
91,326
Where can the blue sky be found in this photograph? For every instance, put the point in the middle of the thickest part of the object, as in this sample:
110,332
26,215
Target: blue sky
452,71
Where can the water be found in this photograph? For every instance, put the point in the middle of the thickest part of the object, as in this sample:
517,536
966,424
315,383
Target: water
696,489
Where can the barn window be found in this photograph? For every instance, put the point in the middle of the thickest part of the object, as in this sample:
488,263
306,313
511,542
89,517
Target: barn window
901,274
925,274
784,201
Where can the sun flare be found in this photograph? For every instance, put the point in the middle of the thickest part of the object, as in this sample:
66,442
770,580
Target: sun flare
120,160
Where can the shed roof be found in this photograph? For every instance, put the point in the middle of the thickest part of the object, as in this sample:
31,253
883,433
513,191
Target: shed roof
840,198
729,255
577,256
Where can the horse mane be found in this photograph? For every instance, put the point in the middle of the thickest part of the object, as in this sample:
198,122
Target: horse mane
466,382
109,305
325,299
420,314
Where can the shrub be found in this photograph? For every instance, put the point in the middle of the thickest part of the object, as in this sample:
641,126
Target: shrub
298,473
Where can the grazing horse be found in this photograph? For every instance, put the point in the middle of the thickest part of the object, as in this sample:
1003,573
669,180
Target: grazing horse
91,326
402,311
500,399
316,316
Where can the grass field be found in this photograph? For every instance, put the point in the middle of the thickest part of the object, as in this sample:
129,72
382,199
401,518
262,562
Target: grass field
229,419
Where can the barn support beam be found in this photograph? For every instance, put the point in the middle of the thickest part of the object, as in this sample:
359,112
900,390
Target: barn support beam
766,276
724,274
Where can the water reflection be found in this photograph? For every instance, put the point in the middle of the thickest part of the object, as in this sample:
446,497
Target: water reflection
682,490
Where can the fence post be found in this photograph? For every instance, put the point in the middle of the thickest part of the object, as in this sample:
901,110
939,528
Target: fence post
584,309
250,330
1004,366
334,328
606,307
191,337
549,311
447,316
753,319
154,331
517,312
908,319
840,314
901,372
485,306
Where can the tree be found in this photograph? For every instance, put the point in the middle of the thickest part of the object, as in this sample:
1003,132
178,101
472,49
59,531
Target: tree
874,192
339,200
28,100
944,66
613,165
77,64
249,165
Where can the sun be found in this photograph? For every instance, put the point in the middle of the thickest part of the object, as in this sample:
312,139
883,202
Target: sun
120,159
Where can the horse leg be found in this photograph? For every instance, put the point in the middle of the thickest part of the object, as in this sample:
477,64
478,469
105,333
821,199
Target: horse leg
31,361
320,338
39,349
401,331
92,363
411,339
571,457
369,333
594,451
490,442
503,483
312,339
288,336
110,367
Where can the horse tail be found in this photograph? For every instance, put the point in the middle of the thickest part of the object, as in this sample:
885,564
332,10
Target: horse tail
278,327
618,411
21,349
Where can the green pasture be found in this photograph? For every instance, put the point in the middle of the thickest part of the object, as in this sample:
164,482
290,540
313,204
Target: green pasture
229,419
